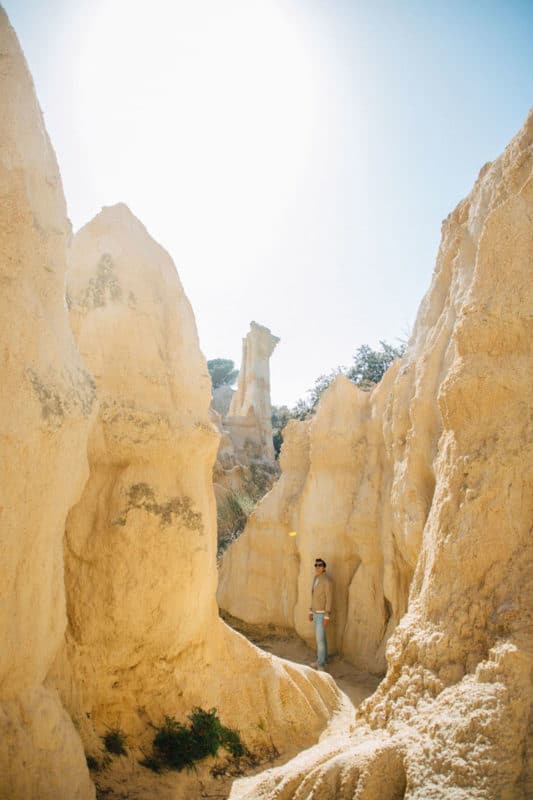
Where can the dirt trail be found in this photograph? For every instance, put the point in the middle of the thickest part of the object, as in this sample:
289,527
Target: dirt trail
355,684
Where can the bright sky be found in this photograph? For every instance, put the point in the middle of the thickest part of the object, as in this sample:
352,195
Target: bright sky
295,157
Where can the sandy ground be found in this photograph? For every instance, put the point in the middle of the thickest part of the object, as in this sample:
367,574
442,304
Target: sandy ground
124,779
357,685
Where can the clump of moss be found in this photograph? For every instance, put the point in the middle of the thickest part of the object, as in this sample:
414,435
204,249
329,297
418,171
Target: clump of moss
177,746
150,762
115,742
92,763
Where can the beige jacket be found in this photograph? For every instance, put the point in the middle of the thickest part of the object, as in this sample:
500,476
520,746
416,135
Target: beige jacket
322,594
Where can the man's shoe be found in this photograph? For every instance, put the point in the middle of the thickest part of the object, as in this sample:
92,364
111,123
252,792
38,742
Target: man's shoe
314,665
321,669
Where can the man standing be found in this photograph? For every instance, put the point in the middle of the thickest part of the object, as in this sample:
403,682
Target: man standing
321,597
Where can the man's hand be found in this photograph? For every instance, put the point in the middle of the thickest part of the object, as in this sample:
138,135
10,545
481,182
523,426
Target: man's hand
325,622
310,616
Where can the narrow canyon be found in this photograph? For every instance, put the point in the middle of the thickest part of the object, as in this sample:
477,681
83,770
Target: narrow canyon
418,494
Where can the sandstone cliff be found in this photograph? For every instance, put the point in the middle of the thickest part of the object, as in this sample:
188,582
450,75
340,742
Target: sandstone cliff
453,717
45,406
108,512
144,637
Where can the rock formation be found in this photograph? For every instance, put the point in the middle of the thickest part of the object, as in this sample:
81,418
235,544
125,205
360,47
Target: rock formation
246,467
249,417
144,637
452,719
108,512
45,407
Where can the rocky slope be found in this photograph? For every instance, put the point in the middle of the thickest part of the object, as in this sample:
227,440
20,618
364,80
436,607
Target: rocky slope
453,717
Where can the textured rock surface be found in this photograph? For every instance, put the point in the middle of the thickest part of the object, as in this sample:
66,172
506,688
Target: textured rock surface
453,716
45,405
144,637
249,417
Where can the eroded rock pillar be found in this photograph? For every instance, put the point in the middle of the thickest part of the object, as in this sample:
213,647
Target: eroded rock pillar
251,401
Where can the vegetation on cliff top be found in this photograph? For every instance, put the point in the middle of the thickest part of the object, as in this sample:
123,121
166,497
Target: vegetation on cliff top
368,368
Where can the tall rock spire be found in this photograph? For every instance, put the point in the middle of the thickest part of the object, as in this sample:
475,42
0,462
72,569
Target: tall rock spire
253,390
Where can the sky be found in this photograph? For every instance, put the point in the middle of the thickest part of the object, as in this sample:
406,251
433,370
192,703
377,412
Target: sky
295,157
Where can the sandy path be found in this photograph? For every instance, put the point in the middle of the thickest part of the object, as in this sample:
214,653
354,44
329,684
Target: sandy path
354,683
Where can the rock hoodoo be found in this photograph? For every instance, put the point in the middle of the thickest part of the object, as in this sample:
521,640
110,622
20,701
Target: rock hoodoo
444,449
46,403
246,466
249,419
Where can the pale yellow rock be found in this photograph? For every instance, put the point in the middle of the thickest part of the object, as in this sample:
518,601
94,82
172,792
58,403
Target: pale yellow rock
144,638
45,406
249,418
452,719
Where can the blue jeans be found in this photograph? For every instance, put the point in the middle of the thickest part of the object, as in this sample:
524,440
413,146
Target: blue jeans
321,641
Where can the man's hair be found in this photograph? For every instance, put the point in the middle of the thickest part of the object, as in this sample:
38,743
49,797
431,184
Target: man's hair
320,561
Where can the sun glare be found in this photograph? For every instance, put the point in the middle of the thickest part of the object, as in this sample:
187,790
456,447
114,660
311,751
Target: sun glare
210,104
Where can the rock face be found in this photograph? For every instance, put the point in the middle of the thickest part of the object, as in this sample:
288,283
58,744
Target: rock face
249,417
45,407
453,716
144,637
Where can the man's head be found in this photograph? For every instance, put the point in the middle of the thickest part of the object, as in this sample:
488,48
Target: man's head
320,565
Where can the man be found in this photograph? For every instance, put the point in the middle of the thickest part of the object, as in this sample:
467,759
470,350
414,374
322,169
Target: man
320,610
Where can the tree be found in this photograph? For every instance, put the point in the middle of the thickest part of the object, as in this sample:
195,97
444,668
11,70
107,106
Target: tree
370,365
280,417
367,370
222,371
305,408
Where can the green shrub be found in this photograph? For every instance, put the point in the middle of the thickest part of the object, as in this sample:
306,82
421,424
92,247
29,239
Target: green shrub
232,513
115,742
262,477
177,746
231,741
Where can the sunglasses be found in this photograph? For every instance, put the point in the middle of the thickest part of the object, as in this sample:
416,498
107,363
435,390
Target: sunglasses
319,564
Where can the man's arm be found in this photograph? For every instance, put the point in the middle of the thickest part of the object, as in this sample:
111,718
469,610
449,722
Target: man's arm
329,599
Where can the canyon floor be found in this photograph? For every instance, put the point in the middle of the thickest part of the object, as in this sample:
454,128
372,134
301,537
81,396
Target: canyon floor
355,684
124,779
